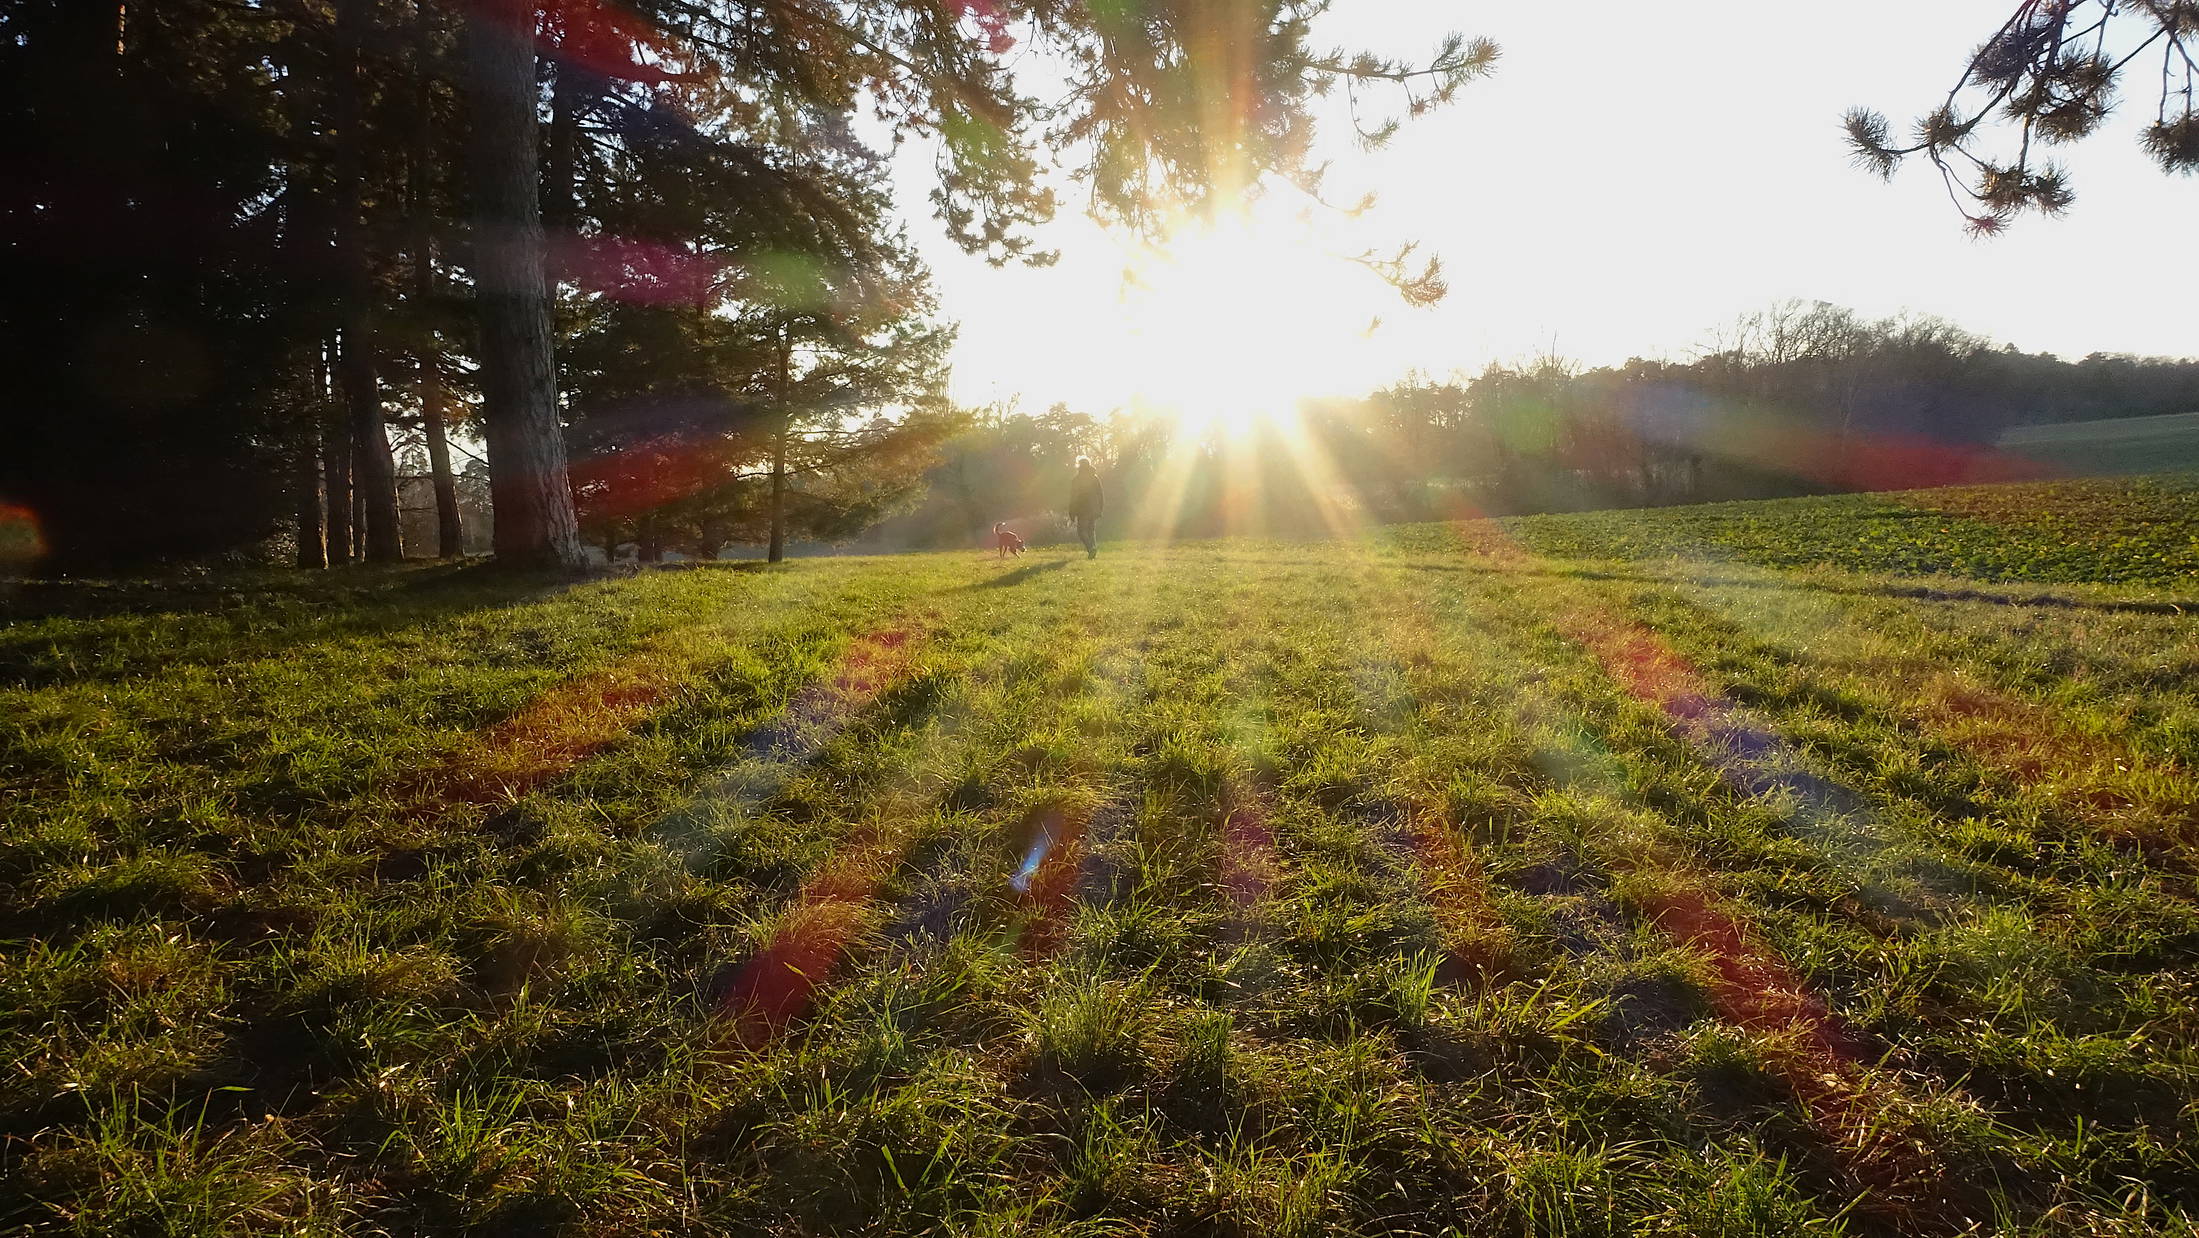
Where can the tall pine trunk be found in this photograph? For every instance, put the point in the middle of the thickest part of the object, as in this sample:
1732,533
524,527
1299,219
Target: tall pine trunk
374,474
450,521
528,488
450,531
312,550
307,242
335,467
777,552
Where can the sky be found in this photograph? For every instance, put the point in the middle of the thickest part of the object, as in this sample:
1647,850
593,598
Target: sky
1631,177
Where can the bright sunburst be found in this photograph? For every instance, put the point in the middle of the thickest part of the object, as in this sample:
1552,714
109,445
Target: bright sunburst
1231,325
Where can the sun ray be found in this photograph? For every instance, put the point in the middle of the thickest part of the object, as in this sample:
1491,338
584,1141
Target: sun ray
1233,321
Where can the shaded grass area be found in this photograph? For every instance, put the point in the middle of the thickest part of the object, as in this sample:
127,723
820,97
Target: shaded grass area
1221,889
2138,530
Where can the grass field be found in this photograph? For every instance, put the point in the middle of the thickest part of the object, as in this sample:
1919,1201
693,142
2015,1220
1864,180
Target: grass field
2114,445
1572,876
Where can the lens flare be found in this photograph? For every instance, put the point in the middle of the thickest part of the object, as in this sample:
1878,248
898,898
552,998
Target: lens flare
22,541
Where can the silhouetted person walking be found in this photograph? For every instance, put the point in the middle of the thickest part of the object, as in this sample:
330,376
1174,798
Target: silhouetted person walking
1086,502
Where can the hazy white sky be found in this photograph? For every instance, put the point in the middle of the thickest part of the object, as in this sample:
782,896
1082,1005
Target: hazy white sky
1630,177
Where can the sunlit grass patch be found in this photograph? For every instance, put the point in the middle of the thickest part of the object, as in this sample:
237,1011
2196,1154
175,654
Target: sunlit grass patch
1230,888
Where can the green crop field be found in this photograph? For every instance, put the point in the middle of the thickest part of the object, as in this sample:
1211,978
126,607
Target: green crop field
2114,445
1625,873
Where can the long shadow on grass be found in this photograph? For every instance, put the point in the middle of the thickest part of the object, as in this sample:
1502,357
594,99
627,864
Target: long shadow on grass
284,1057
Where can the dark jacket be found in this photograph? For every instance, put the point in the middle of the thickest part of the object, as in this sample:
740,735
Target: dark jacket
1086,500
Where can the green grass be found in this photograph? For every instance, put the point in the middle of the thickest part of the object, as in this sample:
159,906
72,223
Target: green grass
1231,888
2115,445
2138,530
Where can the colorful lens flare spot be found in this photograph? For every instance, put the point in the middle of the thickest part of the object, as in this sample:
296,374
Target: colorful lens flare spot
22,542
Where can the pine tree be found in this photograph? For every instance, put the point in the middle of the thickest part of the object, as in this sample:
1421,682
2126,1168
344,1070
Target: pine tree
2050,74
757,357
535,525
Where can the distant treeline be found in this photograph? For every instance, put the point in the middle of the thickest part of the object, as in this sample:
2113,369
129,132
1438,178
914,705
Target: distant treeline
1799,399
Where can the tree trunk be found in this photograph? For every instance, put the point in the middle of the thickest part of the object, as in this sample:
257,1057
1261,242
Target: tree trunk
777,552
648,548
312,550
450,522
374,474
530,496
324,465
450,529
336,467
560,157
358,500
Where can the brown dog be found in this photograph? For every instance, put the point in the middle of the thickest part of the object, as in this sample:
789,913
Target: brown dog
1006,540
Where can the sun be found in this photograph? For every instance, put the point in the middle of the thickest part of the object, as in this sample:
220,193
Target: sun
1229,326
